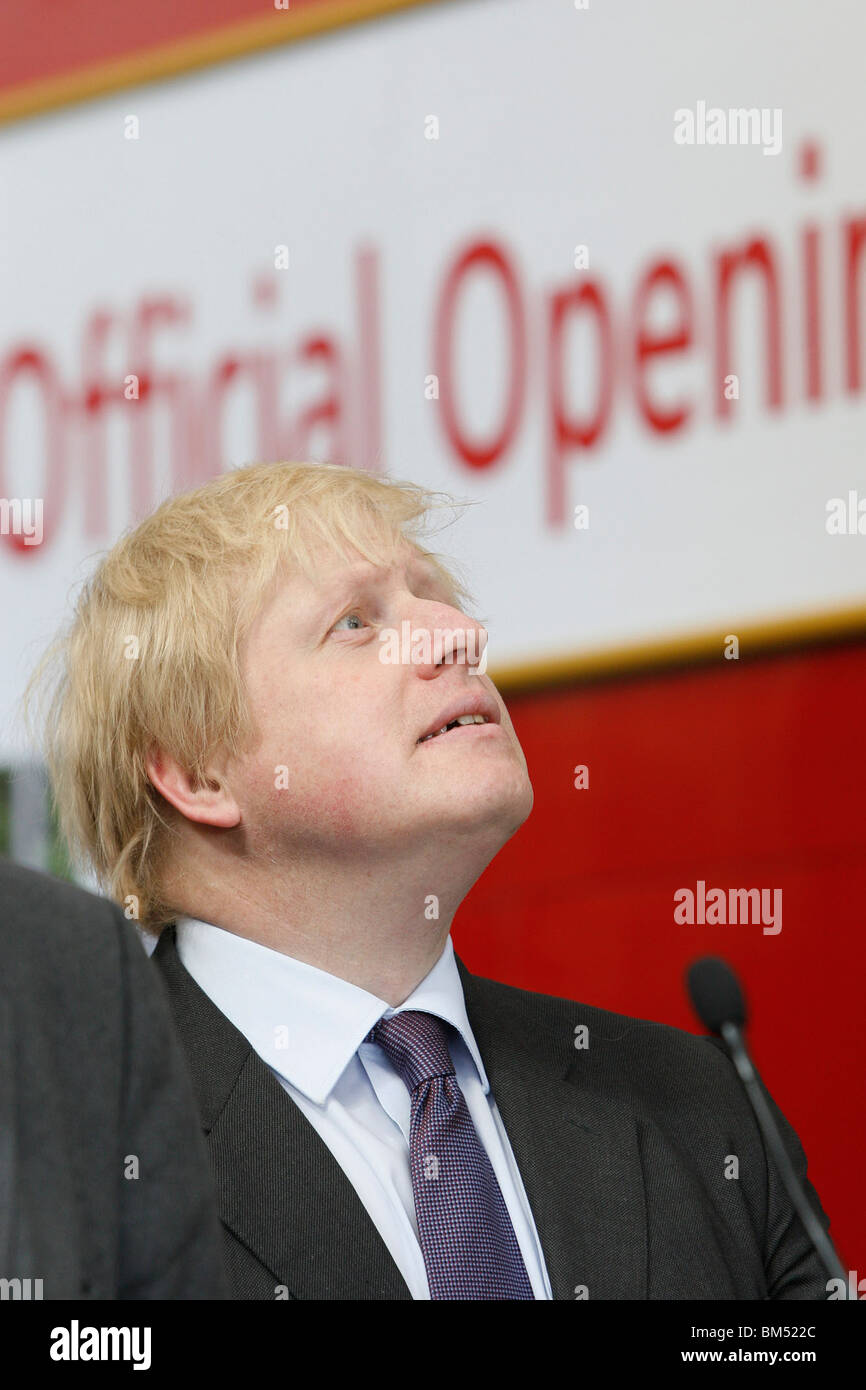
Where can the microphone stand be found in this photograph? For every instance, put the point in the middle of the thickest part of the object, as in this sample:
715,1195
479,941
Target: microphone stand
734,1038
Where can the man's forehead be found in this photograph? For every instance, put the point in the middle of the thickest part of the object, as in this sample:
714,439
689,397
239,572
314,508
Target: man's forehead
302,593
335,570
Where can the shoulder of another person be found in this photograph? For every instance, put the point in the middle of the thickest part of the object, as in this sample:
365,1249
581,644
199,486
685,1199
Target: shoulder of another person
50,921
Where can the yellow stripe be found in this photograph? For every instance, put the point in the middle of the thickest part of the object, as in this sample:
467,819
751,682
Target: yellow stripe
686,649
185,55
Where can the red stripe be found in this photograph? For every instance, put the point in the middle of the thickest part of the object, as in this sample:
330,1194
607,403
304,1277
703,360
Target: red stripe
49,38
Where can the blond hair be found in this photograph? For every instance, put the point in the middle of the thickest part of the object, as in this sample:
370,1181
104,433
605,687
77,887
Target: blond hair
151,657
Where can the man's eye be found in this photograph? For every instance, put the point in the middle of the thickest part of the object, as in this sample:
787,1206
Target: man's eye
348,618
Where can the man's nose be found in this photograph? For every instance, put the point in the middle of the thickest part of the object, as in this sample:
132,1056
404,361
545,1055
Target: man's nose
443,636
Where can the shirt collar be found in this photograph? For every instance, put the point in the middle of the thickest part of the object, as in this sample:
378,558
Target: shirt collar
303,1022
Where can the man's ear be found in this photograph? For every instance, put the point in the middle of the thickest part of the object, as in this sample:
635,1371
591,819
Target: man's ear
207,802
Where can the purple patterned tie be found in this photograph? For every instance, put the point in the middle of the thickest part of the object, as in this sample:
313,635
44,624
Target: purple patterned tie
466,1235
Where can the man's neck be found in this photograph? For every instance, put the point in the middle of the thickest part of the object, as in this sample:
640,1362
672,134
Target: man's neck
383,932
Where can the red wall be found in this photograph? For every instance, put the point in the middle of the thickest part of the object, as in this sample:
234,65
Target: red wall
744,774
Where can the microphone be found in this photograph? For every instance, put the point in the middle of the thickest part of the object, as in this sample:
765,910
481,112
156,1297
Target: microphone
718,1002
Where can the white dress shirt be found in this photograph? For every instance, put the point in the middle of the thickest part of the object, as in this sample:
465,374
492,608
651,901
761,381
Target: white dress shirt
309,1028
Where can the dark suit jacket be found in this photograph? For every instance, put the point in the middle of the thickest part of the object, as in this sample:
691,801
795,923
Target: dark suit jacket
622,1148
91,1075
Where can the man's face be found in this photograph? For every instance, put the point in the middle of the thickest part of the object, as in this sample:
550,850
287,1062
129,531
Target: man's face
340,726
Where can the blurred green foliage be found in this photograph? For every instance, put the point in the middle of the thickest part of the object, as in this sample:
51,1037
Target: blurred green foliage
58,859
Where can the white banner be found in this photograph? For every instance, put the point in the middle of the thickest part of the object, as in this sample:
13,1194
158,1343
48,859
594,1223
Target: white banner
602,270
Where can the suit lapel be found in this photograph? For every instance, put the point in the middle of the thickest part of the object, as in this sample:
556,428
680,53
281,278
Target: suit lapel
285,1197
577,1153
280,1189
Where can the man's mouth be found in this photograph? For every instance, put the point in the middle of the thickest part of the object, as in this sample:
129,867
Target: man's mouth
463,719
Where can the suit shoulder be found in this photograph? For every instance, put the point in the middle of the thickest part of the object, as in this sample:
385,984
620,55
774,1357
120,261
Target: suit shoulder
51,923
634,1051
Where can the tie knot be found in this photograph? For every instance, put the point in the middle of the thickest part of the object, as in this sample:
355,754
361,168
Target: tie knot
416,1044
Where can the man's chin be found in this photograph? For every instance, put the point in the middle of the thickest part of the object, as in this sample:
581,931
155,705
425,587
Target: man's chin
494,811
521,812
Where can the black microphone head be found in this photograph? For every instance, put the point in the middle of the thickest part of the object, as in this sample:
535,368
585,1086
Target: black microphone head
716,994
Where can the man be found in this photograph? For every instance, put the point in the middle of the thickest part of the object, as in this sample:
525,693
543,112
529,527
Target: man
258,700
105,1187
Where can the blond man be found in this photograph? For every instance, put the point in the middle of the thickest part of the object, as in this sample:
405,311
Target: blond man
273,735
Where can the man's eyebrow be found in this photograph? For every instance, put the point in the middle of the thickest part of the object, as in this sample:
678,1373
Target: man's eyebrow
363,574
